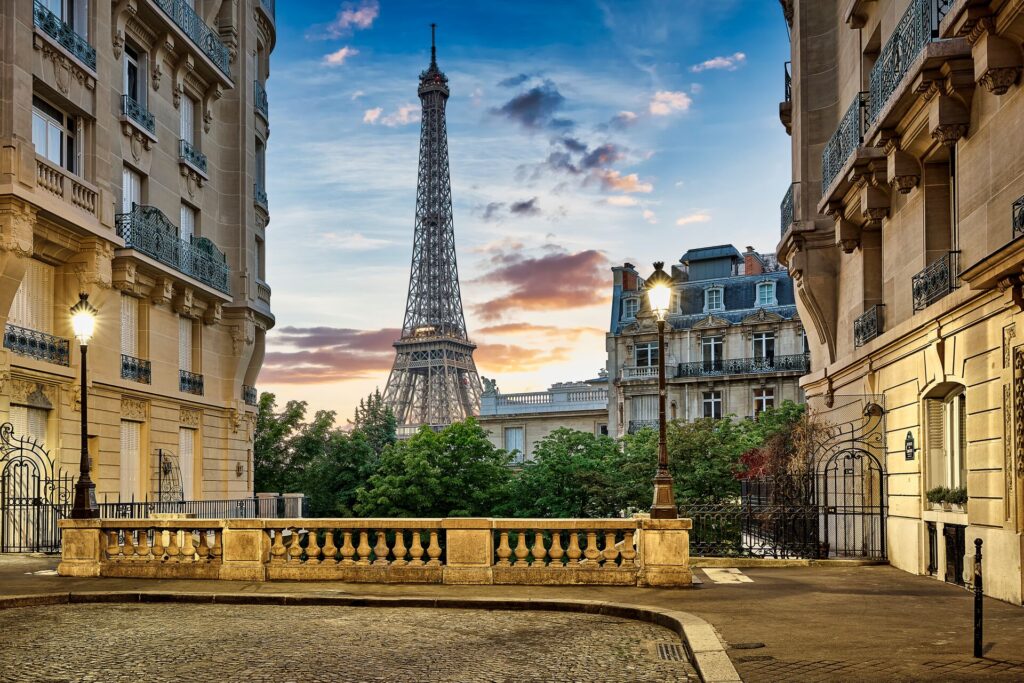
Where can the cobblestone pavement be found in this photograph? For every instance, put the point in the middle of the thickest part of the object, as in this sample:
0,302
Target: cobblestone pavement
174,642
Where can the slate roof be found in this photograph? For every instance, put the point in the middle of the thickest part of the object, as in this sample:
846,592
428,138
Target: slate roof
706,253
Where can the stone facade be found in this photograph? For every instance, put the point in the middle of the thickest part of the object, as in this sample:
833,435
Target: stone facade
734,341
903,241
131,169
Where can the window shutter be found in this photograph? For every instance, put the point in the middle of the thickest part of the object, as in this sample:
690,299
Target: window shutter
131,438
185,343
935,443
129,326
19,420
188,222
33,302
187,130
186,460
131,189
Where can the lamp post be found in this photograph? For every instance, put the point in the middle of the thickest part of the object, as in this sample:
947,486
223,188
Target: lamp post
659,294
83,321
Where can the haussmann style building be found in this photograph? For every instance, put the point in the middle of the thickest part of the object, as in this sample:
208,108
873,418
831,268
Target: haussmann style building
734,341
902,232
132,139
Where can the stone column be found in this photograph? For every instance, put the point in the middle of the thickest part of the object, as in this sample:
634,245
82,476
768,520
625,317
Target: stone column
665,552
246,549
81,547
469,547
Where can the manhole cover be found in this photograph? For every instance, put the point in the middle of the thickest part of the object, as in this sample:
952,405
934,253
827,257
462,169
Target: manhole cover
671,651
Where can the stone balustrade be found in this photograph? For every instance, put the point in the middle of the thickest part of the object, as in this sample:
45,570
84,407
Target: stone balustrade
64,185
635,551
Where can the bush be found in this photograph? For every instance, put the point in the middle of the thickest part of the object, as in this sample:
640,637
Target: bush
936,495
956,496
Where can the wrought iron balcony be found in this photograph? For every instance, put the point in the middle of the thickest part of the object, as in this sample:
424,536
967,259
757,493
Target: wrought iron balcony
788,74
786,208
844,141
249,395
38,345
138,113
259,94
205,38
935,281
136,369
867,326
189,154
53,26
636,425
1018,217
918,26
259,193
146,229
190,382
745,366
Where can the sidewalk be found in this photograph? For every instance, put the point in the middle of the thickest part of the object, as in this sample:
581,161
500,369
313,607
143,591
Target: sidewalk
796,624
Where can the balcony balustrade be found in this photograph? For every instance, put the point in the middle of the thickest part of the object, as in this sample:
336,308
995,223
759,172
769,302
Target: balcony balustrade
640,372
259,194
53,26
844,141
204,37
136,369
138,113
259,94
1018,217
745,366
543,402
67,186
190,382
867,326
935,281
38,345
192,156
146,229
636,425
786,208
249,395
263,292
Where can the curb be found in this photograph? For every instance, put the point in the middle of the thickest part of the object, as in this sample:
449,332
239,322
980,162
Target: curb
773,563
706,650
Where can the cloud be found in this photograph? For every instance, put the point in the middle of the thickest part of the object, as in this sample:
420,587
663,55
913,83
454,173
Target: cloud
357,94
492,210
514,81
556,280
317,355
614,181
728,63
573,144
665,102
650,217
371,115
527,207
536,108
539,331
696,88
338,57
697,217
602,156
491,358
352,17
353,241
405,114
624,119
621,200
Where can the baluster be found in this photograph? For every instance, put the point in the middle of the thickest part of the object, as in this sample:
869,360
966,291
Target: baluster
574,548
628,553
504,551
611,553
188,550
347,549
217,551
277,551
380,550
330,551
143,547
556,553
129,545
172,545
294,549
203,546
434,550
159,549
113,547
538,550
591,553
521,550
364,548
416,550
312,547
399,549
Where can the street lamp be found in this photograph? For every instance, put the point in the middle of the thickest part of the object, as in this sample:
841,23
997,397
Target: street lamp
659,294
83,321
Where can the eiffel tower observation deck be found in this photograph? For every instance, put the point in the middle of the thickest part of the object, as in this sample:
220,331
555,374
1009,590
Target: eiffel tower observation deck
434,379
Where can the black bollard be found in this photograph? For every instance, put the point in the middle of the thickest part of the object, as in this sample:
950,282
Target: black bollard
977,598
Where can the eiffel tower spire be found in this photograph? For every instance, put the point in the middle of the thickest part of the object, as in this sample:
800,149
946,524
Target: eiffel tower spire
434,379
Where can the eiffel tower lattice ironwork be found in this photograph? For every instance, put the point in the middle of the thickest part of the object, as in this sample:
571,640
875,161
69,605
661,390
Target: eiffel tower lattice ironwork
434,379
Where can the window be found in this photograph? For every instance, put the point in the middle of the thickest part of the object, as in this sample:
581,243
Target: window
134,75
261,166
644,408
32,307
74,13
188,222
646,354
129,326
764,346
602,430
131,446
630,307
712,404
711,352
766,294
714,299
763,400
185,343
30,422
131,189
515,442
186,461
54,135
261,259
947,440
187,128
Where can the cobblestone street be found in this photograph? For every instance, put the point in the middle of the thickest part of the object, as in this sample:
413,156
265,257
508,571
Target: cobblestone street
173,642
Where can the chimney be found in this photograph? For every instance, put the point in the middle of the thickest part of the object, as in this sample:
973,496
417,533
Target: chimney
752,263
629,277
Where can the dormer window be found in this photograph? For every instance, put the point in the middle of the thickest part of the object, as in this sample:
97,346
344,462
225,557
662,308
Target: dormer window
766,294
630,307
714,299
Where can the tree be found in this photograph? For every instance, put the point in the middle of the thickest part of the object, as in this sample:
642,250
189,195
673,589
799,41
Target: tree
334,478
376,421
272,457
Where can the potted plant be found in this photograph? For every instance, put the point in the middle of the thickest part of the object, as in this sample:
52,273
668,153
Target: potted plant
936,496
957,498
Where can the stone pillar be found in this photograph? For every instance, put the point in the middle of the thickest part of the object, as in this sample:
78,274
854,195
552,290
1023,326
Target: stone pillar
469,547
81,547
665,552
246,549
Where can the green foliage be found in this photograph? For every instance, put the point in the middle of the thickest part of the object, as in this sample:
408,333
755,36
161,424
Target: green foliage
376,421
957,496
272,455
936,495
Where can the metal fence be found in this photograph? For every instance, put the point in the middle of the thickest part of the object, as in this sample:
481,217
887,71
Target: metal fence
257,507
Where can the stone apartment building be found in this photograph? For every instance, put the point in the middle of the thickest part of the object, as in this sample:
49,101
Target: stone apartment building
734,341
132,138
902,231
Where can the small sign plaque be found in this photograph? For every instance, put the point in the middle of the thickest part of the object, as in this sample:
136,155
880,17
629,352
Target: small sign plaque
908,448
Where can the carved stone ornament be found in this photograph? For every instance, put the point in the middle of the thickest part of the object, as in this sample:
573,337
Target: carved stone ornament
213,314
949,134
1008,501
16,227
905,183
162,291
190,417
998,80
1009,334
1018,408
64,68
134,409
235,418
27,392
121,12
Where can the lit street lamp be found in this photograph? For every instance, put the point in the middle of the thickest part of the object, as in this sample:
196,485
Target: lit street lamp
83,321
659,294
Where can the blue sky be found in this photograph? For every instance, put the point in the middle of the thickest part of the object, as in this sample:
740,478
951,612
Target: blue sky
582,134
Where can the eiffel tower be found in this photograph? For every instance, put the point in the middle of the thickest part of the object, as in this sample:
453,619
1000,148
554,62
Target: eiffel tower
434,379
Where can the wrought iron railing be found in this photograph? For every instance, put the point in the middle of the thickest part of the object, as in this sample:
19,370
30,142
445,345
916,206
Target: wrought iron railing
205,38
138,113
53,26
867,326
260,194
788,74
745,366
262,507
136,369
937,280
190,382
844,141
636,425
1018,217
38,345
147,229
259,94
918,26
786,208
188,153
249,395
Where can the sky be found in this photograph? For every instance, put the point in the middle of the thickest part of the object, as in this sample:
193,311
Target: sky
582,134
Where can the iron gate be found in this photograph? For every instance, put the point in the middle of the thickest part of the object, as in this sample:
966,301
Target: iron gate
34,495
